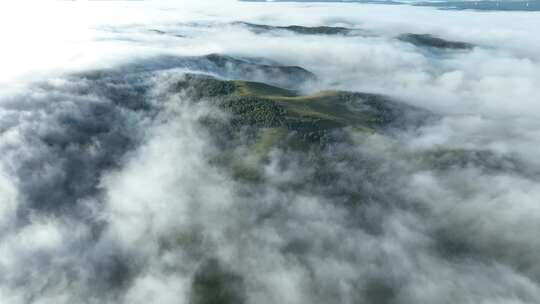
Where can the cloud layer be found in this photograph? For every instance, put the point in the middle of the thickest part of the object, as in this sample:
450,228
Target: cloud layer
110,191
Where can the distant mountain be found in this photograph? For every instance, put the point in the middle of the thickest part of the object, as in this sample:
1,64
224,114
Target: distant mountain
488,5
305,30
424,40
221,65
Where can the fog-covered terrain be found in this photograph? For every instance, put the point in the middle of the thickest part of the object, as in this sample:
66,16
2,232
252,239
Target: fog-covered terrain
245,152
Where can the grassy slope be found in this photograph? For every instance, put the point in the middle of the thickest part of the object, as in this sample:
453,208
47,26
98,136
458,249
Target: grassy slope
323,110
265,106
281,118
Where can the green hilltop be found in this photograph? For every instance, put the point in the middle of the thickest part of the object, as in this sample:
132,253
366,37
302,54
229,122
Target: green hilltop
263,105
263,117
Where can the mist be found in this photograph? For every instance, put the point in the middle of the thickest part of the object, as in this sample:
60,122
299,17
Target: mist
119,184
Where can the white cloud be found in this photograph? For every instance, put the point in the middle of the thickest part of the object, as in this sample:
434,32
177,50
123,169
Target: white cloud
102,201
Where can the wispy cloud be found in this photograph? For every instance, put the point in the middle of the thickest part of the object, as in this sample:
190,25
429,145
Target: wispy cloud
113,188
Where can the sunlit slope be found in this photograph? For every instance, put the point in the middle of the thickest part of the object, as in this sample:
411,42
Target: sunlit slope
263,105
262,118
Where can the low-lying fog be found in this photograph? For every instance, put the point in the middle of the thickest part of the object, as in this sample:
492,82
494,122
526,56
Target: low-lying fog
109,192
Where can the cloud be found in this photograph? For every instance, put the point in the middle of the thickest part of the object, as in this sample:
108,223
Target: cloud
113,189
